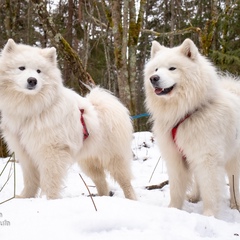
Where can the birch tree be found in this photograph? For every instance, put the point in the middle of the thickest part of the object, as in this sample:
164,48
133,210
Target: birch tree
126,22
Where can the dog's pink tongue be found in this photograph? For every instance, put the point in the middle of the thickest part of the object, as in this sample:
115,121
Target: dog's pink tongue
158,90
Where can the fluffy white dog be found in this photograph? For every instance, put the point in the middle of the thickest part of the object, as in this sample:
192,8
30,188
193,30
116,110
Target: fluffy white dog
196,121
49,126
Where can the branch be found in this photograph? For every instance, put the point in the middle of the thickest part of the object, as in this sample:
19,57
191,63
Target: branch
158,186
177,32
88,192
62,45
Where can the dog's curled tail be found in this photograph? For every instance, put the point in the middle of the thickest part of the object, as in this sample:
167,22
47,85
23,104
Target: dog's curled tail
109,107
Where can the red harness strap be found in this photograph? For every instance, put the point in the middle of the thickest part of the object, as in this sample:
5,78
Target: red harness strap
174,133
85,131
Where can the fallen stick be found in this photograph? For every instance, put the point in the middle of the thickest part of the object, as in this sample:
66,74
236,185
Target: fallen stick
158,186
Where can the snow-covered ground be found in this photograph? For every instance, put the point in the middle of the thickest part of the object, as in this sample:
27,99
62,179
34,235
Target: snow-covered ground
74,216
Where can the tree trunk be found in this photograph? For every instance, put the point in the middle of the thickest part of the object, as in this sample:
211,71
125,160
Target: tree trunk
66,71
135,26
126,30
120,30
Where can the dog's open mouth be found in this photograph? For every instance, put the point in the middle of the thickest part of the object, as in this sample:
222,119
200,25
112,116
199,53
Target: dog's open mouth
163,91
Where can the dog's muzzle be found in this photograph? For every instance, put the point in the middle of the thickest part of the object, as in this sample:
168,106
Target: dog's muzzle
155,79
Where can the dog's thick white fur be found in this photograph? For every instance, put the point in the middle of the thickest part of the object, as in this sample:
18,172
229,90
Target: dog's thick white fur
41,124
182,87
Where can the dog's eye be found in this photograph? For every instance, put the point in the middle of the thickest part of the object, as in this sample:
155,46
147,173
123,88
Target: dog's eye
156,69
22,68
172,68
38,71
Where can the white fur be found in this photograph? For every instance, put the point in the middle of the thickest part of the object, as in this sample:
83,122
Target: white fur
209,138
42,125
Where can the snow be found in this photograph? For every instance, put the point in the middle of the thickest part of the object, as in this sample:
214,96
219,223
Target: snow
74,216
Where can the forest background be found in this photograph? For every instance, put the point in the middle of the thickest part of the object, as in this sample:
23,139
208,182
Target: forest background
107,42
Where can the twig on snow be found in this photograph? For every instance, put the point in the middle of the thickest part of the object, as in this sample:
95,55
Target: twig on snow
154,169
158,186
235,194
88,192
13,160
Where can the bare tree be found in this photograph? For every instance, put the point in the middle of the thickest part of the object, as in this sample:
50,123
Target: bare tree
126,22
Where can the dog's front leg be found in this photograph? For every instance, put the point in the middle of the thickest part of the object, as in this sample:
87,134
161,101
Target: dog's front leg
53,168
178,179
30,176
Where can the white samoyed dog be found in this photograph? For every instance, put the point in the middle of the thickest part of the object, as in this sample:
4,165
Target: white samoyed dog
47,125
196,121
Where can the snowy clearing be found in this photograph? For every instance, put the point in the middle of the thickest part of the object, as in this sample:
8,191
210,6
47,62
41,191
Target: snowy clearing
74,217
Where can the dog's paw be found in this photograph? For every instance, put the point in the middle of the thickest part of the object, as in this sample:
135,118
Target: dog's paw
208,212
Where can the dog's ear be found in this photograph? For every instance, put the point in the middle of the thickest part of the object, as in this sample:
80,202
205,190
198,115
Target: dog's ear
50,54
189,49
9,47
156,46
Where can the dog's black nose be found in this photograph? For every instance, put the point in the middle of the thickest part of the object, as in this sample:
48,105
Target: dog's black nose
154,78
32,82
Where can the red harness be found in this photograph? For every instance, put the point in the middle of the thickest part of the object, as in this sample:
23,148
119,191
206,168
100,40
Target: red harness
174,133
85,131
